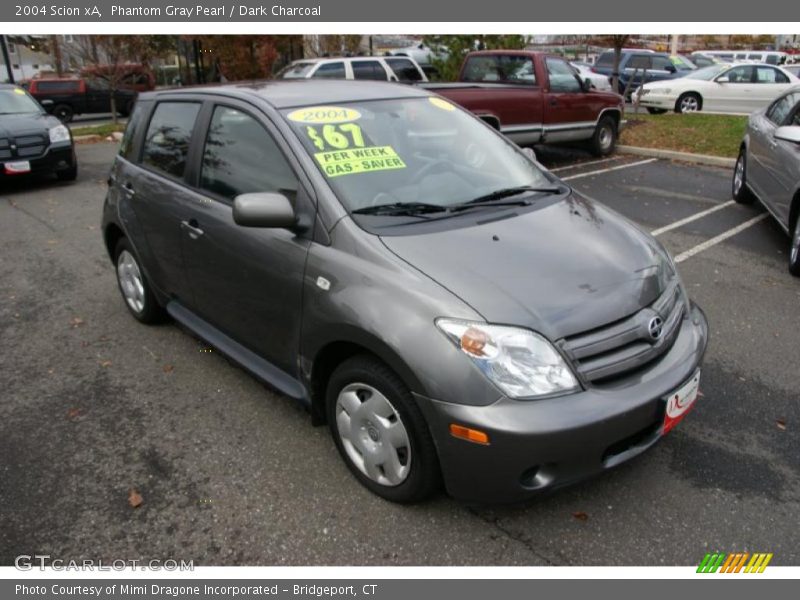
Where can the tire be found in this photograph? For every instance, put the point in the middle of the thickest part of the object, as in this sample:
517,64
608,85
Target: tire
380,432
794,250
604,138
739,190
656,111
689,102
68,174
63,112
134,287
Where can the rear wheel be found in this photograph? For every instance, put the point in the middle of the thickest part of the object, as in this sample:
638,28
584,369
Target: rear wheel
133,285
380,432
794,252
604,139
63,112
688,102
739,190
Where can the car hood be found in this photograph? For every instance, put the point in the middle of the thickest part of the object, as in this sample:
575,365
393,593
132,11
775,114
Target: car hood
11,125
564,268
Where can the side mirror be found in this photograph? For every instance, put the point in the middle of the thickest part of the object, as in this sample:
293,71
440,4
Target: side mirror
587,85
263,209
670,69
46,103
723,79
529,153
788,133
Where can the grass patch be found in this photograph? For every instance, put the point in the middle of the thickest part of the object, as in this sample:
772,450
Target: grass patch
101,130
717,135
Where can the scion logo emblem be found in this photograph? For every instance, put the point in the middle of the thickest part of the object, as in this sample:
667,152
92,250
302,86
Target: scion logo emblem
655,327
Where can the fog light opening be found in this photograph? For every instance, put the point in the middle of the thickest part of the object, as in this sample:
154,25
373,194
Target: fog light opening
537,477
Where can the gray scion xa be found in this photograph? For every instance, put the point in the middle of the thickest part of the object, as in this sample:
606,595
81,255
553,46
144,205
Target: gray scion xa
457,315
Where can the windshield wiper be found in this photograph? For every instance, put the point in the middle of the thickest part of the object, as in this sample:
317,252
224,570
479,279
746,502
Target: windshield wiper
400,208
491,198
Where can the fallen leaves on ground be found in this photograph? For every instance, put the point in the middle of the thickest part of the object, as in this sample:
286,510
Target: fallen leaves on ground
76,322
105,363
73,413
581,516
168,368
781,424
135,498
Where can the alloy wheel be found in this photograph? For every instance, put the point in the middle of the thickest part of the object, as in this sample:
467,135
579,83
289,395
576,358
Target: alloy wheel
130,281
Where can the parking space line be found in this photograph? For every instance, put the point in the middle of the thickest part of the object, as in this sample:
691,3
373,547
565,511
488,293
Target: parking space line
720,238
599,171
585,164
691,218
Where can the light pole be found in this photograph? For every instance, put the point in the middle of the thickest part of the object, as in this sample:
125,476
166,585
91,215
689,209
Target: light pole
7,59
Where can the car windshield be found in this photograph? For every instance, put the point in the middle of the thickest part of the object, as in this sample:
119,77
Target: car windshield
298,70
413,151
707,73
16,101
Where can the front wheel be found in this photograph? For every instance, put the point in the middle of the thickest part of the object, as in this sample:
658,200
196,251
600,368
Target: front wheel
604,139
739,190
63,112
794,252
380,432
688,102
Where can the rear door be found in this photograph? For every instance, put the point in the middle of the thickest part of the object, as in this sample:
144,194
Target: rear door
769,83
246,281
157,191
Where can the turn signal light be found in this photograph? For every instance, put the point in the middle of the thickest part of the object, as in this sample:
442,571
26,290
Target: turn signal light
471,435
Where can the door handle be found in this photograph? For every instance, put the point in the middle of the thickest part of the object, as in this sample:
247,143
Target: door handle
553,102
129,189
191,228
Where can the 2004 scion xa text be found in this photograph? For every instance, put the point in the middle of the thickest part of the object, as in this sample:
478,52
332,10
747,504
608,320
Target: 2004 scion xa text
455,313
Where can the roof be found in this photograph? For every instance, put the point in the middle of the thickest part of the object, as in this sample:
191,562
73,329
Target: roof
288,93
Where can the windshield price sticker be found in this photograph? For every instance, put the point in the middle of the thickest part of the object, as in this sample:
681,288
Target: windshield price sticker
359,160
443,104
318,115
336,137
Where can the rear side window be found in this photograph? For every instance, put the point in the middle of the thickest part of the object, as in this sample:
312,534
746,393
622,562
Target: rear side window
404,69
368,69
67,86
770,75
134,123
499,68
166,143
240,157
330,71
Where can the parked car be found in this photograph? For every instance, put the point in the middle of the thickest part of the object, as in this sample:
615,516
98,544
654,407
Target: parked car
533,97
637,67
31,141
421,53
768,167
451,309
76,96
761,56
596,80
375,68
737,87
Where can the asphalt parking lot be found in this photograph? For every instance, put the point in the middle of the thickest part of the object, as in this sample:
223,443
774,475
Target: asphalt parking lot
94,405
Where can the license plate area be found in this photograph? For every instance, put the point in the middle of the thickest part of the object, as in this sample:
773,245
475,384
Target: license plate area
680,402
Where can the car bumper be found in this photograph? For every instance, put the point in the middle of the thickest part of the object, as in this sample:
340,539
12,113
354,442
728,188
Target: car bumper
57,157
540,445
657,101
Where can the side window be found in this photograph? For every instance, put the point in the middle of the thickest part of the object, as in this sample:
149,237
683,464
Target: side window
166,143
743,74
498,68
640,61
756,57
562,77
404,69
781,109
660,63
240,157
330,71
368,69
135,120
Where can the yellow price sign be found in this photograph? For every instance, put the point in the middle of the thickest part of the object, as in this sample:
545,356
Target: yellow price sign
317,115
336,136
359,160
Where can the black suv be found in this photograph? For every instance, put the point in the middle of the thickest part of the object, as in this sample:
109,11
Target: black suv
31,141
65,98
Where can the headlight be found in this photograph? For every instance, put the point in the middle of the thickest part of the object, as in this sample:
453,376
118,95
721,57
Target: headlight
520,362
59,133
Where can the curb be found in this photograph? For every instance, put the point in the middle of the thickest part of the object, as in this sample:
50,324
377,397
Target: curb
697,159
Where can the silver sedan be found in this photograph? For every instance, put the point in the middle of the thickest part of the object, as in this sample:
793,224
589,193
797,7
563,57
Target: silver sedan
768,167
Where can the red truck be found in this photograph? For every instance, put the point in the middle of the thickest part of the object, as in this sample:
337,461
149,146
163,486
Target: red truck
533,97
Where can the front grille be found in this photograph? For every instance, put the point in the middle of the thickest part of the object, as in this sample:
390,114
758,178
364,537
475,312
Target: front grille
30,145
625,345
5,148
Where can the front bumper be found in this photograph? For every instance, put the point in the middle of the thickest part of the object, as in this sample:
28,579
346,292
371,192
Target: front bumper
57,157
657,101
541,445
